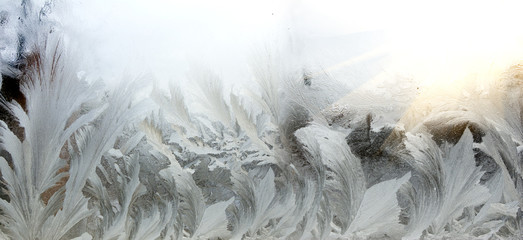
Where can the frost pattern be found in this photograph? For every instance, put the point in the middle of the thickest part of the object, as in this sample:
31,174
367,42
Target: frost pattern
287,163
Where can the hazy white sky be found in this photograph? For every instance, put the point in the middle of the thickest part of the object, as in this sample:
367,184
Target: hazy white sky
166,37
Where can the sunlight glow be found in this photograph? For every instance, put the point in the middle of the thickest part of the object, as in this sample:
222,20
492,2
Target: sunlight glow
447,42
436,43
444,50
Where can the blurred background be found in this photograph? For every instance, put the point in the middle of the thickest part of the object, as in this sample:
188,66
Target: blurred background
352,41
